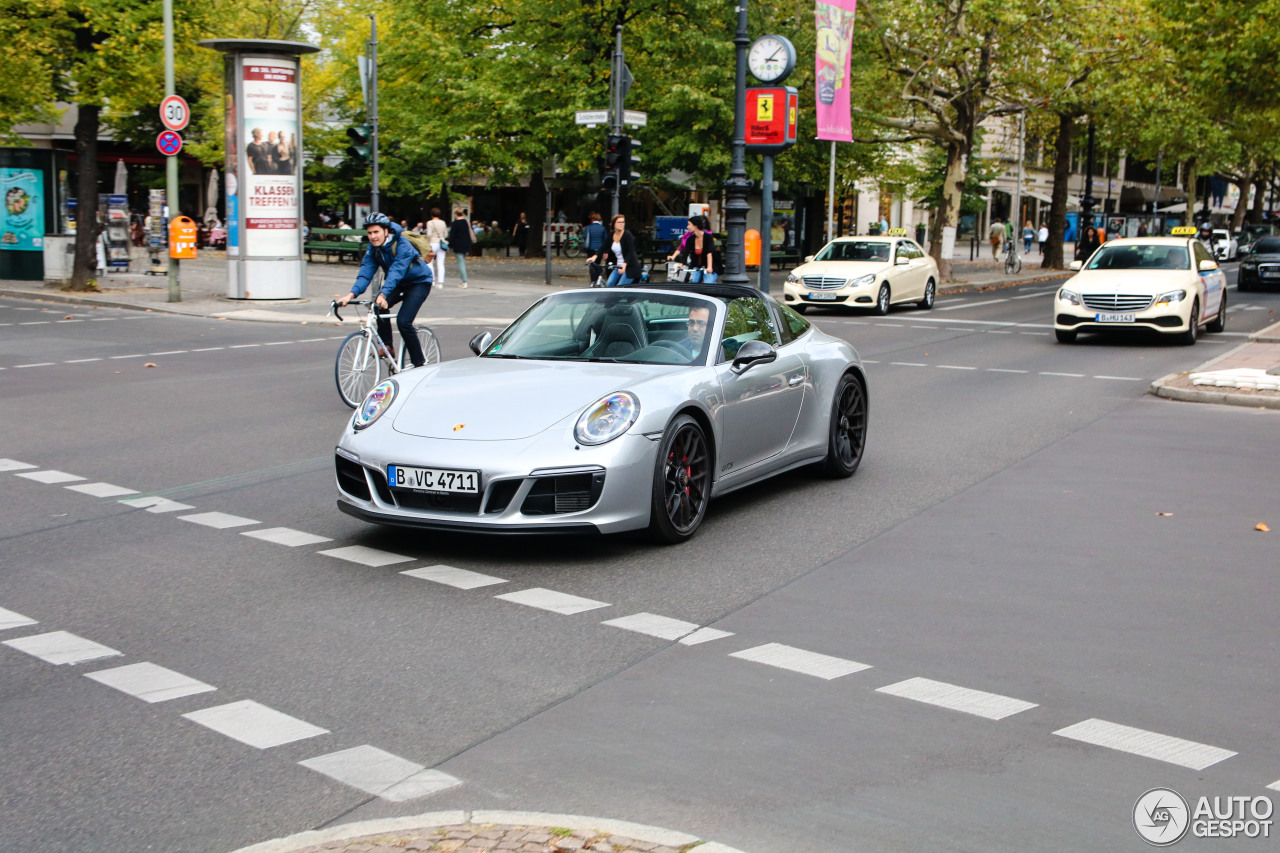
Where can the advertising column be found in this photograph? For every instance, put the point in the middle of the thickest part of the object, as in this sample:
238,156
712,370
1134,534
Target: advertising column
263,168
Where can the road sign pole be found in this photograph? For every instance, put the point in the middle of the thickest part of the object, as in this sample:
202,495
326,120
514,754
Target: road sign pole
615,118
171,162
373,111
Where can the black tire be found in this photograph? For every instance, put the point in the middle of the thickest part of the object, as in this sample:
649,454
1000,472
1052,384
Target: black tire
1242,286
800,308
882,300
1066,336
430,347
930,295
681,482
1192,334
1219,323
354,370
847,431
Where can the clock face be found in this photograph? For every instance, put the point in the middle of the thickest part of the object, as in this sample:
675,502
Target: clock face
771,58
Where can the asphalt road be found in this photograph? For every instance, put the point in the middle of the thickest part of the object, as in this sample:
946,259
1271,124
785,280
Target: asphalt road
1003,535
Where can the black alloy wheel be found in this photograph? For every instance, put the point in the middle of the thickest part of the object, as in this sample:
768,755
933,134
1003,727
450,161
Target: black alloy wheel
681,482
848,432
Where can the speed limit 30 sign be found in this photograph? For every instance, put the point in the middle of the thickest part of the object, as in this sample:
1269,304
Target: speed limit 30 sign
174,112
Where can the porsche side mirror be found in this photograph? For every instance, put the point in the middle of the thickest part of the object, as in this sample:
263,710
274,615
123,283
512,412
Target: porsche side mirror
480,342
751,353
1076,266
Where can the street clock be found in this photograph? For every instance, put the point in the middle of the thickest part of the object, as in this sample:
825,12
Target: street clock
771,59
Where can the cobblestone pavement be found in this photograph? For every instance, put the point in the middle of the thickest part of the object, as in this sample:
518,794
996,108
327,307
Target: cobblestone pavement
472,838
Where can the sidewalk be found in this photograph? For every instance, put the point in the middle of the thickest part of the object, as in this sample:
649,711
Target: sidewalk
1248,375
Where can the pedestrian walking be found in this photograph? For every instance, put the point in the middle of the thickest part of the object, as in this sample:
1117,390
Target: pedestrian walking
593,235
520,233
460,240
1028,234
1087,244
1042,237
437,231
995,236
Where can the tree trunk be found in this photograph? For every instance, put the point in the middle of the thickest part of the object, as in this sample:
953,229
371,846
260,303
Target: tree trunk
1237,218
1190,188
1259,197
1053,254
84,273
943,242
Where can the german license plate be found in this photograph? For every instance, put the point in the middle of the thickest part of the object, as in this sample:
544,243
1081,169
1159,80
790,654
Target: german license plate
433,479
1271,273
822,297
1113,318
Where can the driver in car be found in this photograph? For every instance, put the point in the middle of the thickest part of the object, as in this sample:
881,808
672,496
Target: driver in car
696,327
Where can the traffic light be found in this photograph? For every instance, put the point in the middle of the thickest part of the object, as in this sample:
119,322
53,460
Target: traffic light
629,160
360,149
615,151
609,183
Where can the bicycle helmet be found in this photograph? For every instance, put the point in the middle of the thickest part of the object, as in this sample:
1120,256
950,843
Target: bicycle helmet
378,219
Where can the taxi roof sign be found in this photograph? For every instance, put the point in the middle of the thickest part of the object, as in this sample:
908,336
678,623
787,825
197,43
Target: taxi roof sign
897,232
1185,231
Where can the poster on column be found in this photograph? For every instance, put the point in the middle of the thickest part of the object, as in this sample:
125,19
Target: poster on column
269,185
22,220
832,63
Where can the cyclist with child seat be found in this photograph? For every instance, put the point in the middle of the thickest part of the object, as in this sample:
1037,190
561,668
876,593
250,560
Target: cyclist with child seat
407,280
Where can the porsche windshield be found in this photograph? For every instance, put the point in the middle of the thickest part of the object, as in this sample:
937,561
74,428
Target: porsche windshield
614,325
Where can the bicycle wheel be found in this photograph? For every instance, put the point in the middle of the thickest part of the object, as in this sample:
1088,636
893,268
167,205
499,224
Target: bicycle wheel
430,347
357,369
574,248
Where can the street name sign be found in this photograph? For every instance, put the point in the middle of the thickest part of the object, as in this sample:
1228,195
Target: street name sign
591,117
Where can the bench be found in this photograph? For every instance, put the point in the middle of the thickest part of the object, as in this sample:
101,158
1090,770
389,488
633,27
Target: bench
343,242
782,260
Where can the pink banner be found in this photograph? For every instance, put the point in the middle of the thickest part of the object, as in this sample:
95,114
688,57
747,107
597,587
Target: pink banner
832,60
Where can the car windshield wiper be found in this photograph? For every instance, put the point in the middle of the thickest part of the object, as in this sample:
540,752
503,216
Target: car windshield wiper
506,355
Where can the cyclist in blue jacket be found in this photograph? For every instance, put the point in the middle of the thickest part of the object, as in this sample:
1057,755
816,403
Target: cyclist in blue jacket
407,281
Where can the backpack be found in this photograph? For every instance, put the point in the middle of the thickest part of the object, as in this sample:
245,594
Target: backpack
418,241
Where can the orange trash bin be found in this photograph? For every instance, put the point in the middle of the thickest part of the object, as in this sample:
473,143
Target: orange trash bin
753,247
182,238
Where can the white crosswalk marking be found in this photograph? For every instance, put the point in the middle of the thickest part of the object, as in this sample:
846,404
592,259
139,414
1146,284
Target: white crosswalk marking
366,556
61,647
155,504
255,724
286,536
14,465
666,628
9,619
218,520
1185,753
977,702
380,773
51,478
448,575
799,660
102,490
549,599
149,682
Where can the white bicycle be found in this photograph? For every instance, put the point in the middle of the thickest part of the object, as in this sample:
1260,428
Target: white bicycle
361,357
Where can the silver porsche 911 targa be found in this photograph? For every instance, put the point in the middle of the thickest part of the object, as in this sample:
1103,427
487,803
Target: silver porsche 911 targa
606,410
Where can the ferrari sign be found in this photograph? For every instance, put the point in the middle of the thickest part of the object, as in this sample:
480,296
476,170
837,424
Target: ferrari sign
772,114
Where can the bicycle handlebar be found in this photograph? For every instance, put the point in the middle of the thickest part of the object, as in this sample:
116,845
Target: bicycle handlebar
334,306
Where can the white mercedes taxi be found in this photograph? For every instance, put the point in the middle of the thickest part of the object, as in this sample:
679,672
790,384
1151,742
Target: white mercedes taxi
864,272
1170,285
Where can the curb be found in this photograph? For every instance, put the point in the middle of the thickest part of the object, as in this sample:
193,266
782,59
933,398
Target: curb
436,820
63,298
1269,335
969,287
1162,387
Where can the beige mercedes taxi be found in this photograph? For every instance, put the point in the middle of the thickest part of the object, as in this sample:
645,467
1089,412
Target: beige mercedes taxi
864,272
1170,285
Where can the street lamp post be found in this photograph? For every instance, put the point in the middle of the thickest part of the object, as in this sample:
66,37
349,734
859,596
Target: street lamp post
736,188
1087,203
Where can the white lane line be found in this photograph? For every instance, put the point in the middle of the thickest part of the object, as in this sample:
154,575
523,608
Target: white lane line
998,332
171,352
869,361
37,364
666,628
974,304
61,647
549,599
449,576
380,773
1052,373
244,346
799,660
286,536
155,504
977,702
310,340
955,367
908,364
1005,370
1034,295
958,329
1184,753
81,360
255,724
1275,786
36,323
149,682
208,349
366,556
945,301
1122,378
1033,333
102,490
103,319
890,325
276,343
131,355
14,465
9,619
51,478
218,520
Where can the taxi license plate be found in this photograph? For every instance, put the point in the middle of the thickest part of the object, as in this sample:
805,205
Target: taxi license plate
433,479
822,297
1113,318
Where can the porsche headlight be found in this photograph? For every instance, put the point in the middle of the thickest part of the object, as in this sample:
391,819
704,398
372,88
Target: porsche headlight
377,402
1069,296
859,282
607,418
1171,297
